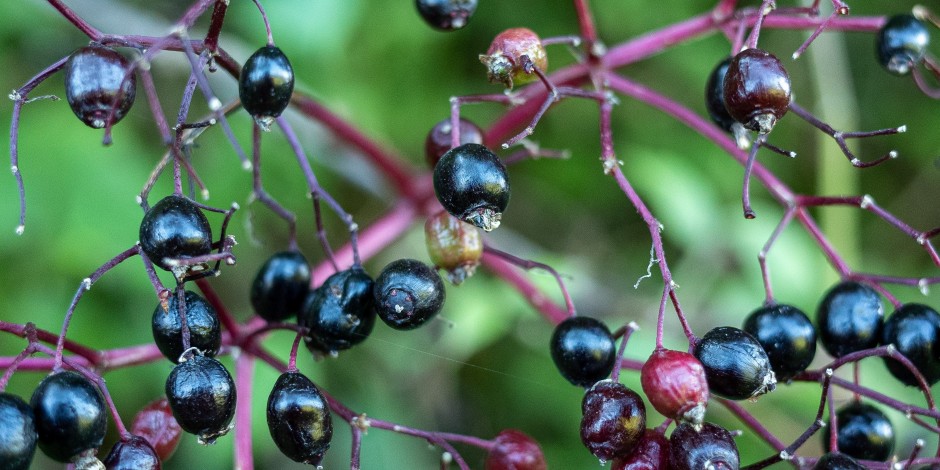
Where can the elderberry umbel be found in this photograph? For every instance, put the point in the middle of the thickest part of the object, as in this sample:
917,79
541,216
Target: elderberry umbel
281,286
583,350
408,293
757,90
341,313
266,84
205,331
96,87
472,184
299,418
173,230
70,415
202,396
512,54
446,15
902,43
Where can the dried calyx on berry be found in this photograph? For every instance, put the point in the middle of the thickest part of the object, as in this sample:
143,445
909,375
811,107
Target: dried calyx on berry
446,15
95,85
453,245
202,396
408,293
266,84
299,418
736,365
676,386
902,43
71,418
757,90
613,420
472,184
340,313
584,350
511,56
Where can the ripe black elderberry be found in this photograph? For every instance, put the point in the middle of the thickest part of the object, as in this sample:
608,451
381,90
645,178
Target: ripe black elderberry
70,416
613,420
508,54
864,432
408,293
299,418
837,461
914,329
205,332
675,384
174,229
155,423
787,335
849,318
757,90
736,365
439,139
715,96
17,433
583,350
202,396
711,447
514,450
446,15
266,84
453,245
135,453
281,286
341,313
902,43
650,453
95,85
472,184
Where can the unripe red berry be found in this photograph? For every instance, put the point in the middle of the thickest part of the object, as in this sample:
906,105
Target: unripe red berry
504,59
651,453
675,384
614,419
757,90
514,450
453,245
439,140
156,424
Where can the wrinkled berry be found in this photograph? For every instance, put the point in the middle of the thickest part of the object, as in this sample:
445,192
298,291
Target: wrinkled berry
509,54
202,396
133,454
613,420
205,331
341,313
453,245
712,447
155,423
650,453
736,365
174,229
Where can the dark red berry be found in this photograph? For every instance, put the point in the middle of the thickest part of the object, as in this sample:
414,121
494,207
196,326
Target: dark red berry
453,245
439,140
341,313
715,96
70,415
864,432
613,420
281,286
408,293
650,453
174,229
95,85
135,453
711,447
205,332
266,84
914,330
849,318
736,365
472,184
583,350
202,396
299,418
156,424
446,15
514,450
509,54
787,335
837,461
902,43
757,90
17,433
675,384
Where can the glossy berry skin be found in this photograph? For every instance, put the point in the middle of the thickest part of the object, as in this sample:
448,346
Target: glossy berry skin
787,335
453,245
94,82
508,54
407,294
715,96
281,286
902,43
837,461
299,418
70,416
133,454
864,432
849,318
174,229
341,313
736,365
446,15
675,384
514,450
650,453
583,350
155,423
266,84
17,433
202,396
613,420
438,141
472,184
691,449
914,330
205,332
757,90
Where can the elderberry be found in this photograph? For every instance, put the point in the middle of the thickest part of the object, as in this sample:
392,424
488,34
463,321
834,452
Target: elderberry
205,331
651,453
613,420
202,396
472,184
514,450
787,335
757,90
439,141
95,85
453,245
341,313
266,84
446,15
736,365
850,318
70,415
134,453
715,96
155,423
299,418
408,293
510,56
173,230
914,330
675,384
712,446
17,433
281,286
583,349
902,43
837,461
864,432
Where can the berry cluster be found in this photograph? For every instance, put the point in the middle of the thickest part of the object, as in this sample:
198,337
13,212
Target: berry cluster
641,406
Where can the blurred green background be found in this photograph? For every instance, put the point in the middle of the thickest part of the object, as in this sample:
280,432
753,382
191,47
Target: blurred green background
487,367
